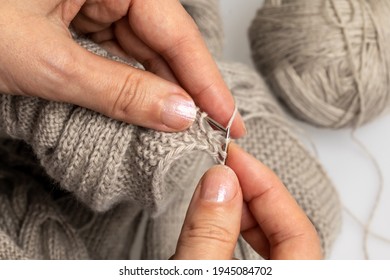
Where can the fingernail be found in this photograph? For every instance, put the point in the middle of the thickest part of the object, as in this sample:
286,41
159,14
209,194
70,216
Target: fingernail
219,185
178,112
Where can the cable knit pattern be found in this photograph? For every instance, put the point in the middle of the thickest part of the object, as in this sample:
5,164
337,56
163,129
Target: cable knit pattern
124,171
94,156
31,225
40,221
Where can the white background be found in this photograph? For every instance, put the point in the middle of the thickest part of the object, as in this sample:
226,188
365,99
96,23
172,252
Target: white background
349,167
280,270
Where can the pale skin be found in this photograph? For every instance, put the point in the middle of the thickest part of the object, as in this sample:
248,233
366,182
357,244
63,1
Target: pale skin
39,58
245,197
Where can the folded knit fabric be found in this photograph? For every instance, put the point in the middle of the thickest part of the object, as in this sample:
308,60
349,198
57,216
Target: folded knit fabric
99,164
271,139
38,220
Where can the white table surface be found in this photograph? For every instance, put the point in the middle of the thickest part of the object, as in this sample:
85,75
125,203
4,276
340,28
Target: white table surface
351,170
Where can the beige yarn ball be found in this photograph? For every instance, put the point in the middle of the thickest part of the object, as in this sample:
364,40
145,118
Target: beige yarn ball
328,60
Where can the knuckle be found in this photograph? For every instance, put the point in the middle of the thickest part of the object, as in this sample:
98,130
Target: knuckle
116,9
207,231
175,50
129,97
60,68
281,236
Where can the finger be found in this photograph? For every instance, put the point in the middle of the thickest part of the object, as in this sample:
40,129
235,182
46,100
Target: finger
106,10
71,74
179,41
106,40
95,16
103,35
132,95
253,234
212,224
115,49
136,48
290,233
132,48
84,24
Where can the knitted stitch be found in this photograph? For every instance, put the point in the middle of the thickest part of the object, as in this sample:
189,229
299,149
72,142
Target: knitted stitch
38,220
271,140
99,164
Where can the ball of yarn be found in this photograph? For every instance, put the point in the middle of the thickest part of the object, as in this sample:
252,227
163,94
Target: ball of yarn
327,60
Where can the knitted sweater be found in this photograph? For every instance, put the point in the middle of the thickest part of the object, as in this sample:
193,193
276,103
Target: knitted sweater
79,186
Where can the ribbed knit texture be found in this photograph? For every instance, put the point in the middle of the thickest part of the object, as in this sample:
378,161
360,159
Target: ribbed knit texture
271,140
103,174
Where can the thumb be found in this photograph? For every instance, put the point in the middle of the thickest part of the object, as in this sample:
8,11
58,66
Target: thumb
131,95
71,74
212,224
50,65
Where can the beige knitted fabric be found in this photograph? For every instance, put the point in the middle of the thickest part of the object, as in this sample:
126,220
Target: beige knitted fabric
40,221
120,170
270,139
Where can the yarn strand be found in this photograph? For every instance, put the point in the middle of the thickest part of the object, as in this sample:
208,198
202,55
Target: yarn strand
335,80
367,226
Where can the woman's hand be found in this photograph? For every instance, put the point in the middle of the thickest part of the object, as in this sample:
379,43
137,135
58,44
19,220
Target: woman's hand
245,198
39,58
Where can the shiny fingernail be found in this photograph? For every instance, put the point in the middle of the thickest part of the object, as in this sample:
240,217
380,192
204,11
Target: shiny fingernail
220,185
178,112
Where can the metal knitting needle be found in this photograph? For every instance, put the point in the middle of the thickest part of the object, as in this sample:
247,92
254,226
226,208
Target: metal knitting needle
225,130
216,124
227,136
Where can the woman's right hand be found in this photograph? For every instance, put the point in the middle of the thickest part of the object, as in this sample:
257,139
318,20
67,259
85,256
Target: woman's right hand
245,198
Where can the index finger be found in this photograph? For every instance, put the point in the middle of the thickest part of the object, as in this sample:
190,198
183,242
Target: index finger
290,233
167,28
